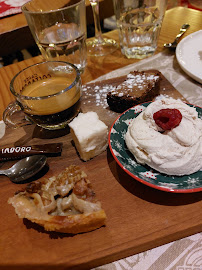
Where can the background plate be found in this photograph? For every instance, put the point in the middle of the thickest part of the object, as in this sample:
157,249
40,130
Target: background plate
189,55
144,174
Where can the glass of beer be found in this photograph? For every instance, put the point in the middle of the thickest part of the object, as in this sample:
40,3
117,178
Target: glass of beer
47,93
59,29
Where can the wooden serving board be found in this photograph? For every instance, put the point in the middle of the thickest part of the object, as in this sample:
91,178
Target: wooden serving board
138,217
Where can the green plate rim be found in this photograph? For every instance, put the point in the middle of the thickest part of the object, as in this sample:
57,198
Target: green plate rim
145,180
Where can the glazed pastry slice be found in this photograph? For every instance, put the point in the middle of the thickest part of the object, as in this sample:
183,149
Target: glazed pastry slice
64,203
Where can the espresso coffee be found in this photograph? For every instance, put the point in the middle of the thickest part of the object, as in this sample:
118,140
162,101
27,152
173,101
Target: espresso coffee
57,109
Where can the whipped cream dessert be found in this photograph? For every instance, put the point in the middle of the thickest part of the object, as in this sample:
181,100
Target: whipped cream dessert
177,151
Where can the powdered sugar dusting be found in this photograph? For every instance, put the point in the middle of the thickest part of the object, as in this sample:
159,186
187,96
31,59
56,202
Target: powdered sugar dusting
99,95
162,96
136,82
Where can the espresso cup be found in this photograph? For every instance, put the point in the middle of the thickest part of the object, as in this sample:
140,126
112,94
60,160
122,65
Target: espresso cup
48,93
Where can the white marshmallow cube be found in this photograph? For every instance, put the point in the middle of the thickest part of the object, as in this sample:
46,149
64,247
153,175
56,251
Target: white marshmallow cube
90,135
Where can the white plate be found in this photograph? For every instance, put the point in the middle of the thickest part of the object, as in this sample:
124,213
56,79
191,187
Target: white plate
189,55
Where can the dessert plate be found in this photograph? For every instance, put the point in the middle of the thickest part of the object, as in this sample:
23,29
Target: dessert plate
145,174
189,55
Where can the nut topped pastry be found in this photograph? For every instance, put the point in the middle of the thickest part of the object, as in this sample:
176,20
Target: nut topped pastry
64,203
138,87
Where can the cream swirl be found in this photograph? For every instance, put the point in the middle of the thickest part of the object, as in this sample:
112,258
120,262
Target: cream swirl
174,152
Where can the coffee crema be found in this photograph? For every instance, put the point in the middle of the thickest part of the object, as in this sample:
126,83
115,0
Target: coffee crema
55,109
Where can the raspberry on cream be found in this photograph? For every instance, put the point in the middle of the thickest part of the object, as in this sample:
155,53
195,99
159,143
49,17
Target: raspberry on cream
174,152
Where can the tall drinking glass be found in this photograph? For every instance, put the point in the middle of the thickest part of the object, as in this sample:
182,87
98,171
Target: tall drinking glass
59,29
139,23
99,46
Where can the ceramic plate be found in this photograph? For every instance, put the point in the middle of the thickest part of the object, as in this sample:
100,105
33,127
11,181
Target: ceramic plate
144,174
189,55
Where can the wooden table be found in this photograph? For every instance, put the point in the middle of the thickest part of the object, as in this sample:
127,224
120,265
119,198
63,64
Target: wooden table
153,217
98,66
15,34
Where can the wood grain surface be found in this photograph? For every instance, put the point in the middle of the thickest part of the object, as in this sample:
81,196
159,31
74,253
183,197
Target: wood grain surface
138,217
97,66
